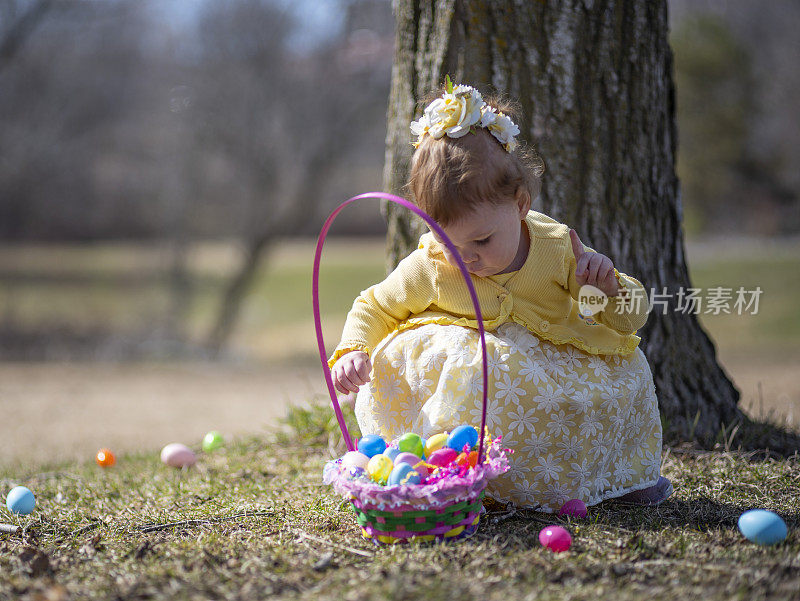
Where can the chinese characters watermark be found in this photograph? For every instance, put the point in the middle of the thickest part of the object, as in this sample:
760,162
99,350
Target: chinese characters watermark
718,300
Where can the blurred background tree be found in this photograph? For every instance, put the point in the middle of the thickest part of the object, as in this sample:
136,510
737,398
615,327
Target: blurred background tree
735,70
177,122
165,166
165,124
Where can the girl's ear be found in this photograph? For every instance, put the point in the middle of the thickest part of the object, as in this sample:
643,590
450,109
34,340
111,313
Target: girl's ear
523,199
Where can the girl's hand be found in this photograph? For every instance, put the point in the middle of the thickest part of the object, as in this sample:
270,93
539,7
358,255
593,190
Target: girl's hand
351,371
593,268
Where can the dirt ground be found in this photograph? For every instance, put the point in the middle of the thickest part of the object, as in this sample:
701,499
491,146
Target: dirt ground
64,411
60,411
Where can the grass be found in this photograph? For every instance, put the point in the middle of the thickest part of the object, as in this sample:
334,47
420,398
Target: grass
777,322
253,521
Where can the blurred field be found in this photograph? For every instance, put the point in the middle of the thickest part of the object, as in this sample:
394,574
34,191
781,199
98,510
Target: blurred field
121,293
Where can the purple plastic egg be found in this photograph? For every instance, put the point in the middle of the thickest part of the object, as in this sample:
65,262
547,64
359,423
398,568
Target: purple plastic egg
555,538
412,460
574,508
442,457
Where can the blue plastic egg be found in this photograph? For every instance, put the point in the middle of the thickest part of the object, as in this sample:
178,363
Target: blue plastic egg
762,527
463,435
20,500
371,445
403,473
392,452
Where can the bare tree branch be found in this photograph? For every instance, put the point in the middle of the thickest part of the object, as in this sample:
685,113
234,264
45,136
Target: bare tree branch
21,30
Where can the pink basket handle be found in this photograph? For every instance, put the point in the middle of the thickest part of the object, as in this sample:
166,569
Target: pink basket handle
318,322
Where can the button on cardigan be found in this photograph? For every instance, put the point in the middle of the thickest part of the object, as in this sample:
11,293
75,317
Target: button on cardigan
542,296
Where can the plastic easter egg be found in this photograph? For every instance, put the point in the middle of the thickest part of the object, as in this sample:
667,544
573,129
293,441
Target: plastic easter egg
211,441
555,538
424,441
408,458
371,445
354,459
20,500
435,442
443,457
467,459
574,508
380,468
105,458
413,461
403,473
762,527
411,443
392,452
178,455
463,435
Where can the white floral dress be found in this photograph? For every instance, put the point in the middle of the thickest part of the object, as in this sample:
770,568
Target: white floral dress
581,426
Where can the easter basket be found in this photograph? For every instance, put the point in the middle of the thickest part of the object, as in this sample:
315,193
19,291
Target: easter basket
448,504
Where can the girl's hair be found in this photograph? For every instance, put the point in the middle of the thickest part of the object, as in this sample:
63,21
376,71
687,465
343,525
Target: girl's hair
451,176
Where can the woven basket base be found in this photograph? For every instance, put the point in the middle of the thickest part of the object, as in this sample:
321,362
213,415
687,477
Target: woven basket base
457,533
397,526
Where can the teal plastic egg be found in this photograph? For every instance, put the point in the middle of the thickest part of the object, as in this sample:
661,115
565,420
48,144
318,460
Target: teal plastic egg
371,445
762,527
403,473
20,500
463,435
411,443
392,452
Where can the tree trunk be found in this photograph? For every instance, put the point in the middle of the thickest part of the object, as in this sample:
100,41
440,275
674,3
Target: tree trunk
595,83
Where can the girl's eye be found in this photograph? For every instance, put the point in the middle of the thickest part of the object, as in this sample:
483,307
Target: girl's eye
482,242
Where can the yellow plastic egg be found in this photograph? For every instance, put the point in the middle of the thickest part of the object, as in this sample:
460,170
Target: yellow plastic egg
435,442
379,468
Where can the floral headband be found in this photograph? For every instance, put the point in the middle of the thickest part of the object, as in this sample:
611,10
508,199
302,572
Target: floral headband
458,111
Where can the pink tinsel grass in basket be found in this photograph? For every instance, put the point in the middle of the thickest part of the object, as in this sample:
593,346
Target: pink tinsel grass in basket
450,486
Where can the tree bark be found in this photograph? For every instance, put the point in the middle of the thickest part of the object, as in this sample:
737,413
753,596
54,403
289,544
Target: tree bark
594,79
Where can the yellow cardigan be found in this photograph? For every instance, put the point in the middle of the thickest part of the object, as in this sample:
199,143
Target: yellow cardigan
542,296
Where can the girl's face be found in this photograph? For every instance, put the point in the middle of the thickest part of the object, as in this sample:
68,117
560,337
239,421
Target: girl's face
491,239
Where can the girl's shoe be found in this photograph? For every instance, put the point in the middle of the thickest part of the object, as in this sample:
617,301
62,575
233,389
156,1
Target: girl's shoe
648,497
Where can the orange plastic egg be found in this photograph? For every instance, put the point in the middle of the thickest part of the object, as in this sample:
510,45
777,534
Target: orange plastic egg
105,458
463,459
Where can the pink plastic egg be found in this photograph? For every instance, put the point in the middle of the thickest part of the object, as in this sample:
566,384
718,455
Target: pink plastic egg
178,455
442,457
555,538
574,508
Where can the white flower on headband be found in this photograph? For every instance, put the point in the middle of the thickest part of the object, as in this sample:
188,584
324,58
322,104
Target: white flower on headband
457,111
500,126
452,114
